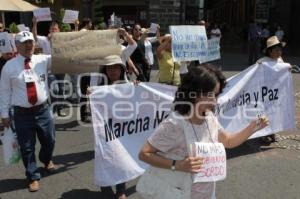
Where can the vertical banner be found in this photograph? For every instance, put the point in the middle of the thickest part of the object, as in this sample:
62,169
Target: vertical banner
188,43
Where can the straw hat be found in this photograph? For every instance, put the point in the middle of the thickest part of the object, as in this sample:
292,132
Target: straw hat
273,41
113,60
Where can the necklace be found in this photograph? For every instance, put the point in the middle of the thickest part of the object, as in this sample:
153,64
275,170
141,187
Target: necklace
195,133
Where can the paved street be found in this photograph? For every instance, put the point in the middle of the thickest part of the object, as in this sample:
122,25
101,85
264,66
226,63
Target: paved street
254,170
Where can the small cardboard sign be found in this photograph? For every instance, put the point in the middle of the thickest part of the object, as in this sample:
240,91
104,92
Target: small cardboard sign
70,16
214,162
42,14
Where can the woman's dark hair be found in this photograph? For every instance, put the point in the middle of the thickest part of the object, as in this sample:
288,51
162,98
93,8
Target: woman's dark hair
85,22
196,82
103,71
268,50
218,73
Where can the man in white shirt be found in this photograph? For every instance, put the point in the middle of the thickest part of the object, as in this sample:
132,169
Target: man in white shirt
23,86
45,43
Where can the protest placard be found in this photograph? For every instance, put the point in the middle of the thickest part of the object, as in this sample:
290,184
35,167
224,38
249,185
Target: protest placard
42,14
188,43
213,50
83,51
214,161
153,28
7,43
70,16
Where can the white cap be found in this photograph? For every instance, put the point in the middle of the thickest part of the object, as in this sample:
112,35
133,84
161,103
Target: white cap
24,36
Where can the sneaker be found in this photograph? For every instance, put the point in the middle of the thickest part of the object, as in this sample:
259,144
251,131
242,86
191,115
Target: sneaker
33,186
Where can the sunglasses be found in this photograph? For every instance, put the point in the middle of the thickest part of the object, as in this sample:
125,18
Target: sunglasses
138,29
1,27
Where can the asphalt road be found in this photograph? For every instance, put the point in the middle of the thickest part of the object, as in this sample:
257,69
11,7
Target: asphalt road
254,170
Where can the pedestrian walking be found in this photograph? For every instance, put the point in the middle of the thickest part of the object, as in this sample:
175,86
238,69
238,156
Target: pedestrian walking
23,86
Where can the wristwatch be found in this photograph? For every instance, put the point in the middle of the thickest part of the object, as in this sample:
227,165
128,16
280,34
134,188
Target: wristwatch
173,165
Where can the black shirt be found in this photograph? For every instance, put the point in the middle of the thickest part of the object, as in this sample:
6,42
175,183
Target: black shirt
2,63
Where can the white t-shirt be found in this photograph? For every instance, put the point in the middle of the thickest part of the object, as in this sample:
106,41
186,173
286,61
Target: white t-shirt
215,31
44,43
148,52
170,140
183,67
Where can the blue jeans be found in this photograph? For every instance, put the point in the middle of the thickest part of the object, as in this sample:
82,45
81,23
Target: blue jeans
30,124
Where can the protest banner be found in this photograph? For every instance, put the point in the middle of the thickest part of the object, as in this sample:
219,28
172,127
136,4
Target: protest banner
124,116
7,43
214,162
188,43
42,14
83,51
213,50
262,89
70,16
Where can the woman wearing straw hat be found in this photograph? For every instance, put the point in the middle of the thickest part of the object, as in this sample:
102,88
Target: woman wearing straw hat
273,53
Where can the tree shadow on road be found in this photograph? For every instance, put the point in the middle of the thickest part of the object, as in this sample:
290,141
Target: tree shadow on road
8,185
81,193
85,193
68,161
248,147
67,126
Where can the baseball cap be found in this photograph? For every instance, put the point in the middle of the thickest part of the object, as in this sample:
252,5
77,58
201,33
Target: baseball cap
24,36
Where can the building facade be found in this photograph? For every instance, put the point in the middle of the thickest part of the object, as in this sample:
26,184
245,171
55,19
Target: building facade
238,13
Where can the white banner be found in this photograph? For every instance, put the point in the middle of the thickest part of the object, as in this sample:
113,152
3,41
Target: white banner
42,14
266,89
188,43
214,162
124,115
